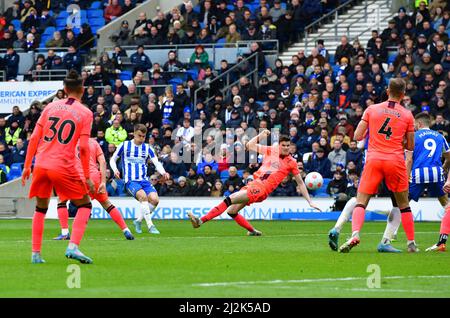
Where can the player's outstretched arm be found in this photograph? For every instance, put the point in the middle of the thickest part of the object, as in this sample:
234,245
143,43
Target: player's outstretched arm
32,148
252,145
304,191
113,160
410,141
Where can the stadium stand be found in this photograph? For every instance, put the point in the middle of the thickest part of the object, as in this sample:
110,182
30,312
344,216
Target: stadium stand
216,65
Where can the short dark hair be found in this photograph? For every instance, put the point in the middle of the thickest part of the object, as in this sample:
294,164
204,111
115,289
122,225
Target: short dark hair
424,117
140,127
284,138
73,82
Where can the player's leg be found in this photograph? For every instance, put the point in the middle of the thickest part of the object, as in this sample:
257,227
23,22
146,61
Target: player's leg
393,222
239,197
117,218
333,234
63,217
445,223
152,203
368,186
144,208
407,219
233,212
41,188
79,225
37,231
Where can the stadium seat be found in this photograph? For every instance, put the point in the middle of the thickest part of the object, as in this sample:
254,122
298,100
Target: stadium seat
224,175
322,195
49,31
15,171
96,5
63,15
97,21
125,75
192,73
240,173
17,24
121,188
230,7
94,13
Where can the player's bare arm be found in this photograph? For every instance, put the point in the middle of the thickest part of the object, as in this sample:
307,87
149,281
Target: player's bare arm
446,165
361,130
102,163
32,148
113,164
252,145
301,187
409,161
84,156
410,141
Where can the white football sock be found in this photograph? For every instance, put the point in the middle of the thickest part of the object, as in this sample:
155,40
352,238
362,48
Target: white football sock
393,222
148,209
64,231
126,229
346,214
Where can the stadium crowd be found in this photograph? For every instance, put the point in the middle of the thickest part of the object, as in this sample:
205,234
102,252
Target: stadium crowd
318,100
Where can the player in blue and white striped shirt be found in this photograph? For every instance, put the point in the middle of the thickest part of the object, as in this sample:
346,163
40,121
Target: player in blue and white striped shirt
134,155
425,166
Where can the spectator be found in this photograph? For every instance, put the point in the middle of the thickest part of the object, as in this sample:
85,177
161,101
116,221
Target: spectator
69,39
173,64
182,189
7,40
55,41
199,58
112,11
318,162
201,188
343,50
217,189
174,166
140,61
13,133
72,59
116,134
85,40
338,184
354,155
285,189
234,182
46,20
337,155
19,152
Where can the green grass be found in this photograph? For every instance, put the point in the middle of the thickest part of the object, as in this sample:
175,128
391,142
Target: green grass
292,259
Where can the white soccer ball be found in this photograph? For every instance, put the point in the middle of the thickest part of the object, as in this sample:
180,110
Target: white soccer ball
313,180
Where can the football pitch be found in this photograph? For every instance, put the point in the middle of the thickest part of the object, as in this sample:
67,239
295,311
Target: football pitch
292,259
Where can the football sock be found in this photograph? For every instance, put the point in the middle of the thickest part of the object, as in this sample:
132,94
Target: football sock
80,223
116,216
393,222
37,230
148,208
218,210
408,223
445,227
242,222
358,219
63,216
345,215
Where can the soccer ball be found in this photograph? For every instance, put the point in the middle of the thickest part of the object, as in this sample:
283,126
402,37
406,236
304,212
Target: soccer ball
313,180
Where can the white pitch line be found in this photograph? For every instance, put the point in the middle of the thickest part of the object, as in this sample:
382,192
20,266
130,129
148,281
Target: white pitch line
379,290
309,280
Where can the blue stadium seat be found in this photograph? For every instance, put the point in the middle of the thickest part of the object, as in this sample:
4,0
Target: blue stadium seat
240,173
96,5
193,73
391,58
230,7
49,31
176,81
97,21
15,171
63,15
224,175
94,13
17,24
197,9
321,195
125,75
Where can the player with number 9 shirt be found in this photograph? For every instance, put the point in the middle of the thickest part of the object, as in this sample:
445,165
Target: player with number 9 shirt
389,124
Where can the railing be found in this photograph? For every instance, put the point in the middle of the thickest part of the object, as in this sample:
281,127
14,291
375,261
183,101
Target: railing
2,76
226,76
48,75
269,47
335,12
100,88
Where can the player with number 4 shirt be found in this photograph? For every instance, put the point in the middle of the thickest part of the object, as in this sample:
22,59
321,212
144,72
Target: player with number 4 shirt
389,125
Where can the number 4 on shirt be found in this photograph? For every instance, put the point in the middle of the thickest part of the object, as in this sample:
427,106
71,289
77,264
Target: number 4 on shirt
385,129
